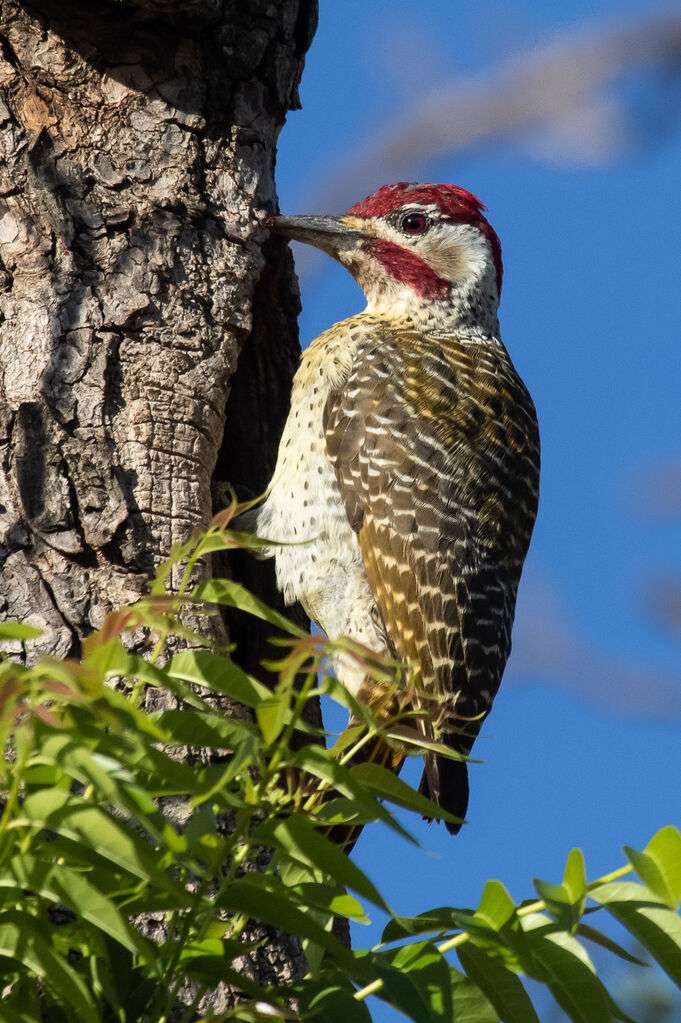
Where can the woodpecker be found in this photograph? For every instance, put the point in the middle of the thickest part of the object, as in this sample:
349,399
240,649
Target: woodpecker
407,478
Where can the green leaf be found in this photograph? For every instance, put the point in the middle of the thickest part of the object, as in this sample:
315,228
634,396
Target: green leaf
468,1002
401,990
197,728
17,630
10,1015
112,781
220,674
78,820
299,840
162,775
496,907
330,1003
564,966
272,713
574,878
206,961
648,918
566,901
265,905
230,594
429,971
413,737
332,900
388,786
58,884
433,921
500,985
659,865
21,940
318,761
598,938
495,926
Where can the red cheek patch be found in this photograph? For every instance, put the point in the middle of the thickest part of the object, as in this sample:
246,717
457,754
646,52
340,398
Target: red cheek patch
456,205
408,268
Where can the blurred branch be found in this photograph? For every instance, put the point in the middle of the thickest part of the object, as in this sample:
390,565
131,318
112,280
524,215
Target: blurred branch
562,86
656,494
656,491
546,648
664,600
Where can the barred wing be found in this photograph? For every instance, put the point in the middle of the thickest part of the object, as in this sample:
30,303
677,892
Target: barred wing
436,451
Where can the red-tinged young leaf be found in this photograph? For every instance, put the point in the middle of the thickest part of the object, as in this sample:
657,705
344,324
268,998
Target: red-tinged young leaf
46,716
9,691
500,985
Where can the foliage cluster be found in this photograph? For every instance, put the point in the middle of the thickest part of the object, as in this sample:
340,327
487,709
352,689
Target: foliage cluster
85,848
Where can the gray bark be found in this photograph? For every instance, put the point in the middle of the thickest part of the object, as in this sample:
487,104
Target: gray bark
147,325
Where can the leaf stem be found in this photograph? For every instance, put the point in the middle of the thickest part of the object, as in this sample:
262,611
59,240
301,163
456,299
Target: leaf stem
538,906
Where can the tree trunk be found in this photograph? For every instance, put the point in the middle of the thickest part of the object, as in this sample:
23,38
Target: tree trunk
139,142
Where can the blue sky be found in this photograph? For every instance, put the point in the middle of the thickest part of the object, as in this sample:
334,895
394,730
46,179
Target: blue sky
583,743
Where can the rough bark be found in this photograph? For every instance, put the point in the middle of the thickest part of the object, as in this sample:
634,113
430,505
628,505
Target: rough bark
138,141
146,335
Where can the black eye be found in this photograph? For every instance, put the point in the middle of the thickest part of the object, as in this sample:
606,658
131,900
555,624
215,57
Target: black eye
414,223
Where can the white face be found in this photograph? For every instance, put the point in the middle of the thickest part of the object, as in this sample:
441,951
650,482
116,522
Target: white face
456,252
425,258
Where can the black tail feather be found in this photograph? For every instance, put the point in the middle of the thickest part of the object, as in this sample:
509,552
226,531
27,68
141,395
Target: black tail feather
453,781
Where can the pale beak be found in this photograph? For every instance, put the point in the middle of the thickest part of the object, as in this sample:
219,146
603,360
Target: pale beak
332,234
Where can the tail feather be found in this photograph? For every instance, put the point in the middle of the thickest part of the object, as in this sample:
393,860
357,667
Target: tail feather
450,790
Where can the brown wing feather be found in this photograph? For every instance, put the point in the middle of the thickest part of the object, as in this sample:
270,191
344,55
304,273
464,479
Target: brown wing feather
436,452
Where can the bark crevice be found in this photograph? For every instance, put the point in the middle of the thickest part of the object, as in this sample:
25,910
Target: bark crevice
137,144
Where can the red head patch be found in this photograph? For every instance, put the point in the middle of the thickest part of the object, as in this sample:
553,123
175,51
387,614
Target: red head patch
455,204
